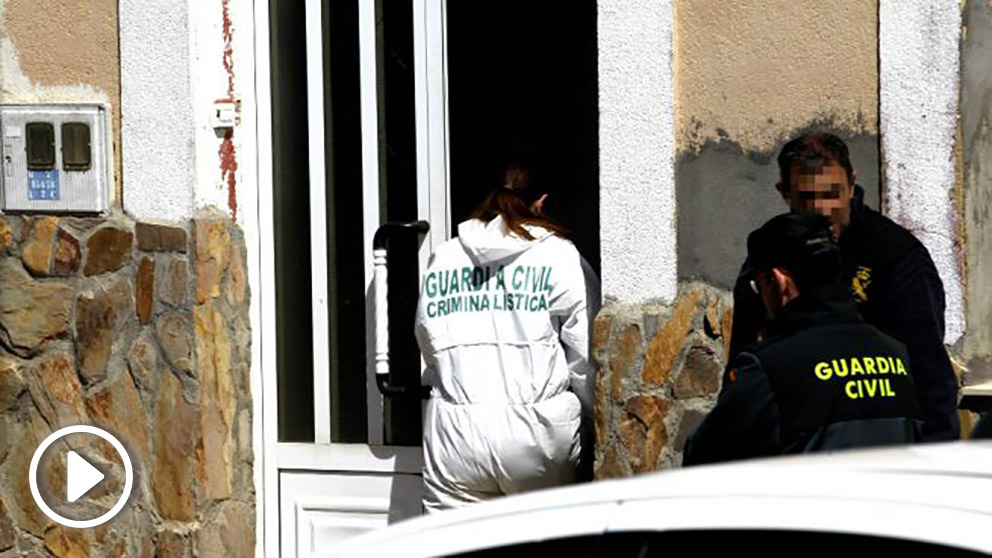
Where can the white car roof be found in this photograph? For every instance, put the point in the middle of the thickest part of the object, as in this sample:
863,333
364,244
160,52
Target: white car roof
940,493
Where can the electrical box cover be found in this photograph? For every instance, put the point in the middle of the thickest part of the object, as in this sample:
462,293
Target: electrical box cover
55,158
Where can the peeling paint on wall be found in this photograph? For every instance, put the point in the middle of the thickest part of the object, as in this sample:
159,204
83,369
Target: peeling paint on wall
752,72
229,169
228,33
725,193
220,34
228,153
744,86
34,52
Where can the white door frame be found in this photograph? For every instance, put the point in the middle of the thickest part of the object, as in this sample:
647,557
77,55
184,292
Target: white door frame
271,456
265,402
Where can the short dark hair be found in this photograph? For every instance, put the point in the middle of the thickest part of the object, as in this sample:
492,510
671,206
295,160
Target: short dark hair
813,151
800,243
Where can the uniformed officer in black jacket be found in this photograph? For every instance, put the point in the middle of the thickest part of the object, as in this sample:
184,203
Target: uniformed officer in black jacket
887,270
822,379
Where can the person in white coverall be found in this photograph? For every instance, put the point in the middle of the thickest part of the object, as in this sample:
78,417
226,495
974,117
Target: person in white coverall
503,323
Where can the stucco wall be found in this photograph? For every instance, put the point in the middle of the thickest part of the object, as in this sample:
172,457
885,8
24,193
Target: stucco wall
919,42
54,51
754,71
749,75
637,198
158,108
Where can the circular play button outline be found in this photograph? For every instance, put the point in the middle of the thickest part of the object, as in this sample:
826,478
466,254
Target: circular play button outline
80,429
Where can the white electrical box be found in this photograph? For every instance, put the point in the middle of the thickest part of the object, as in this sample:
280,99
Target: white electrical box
55,158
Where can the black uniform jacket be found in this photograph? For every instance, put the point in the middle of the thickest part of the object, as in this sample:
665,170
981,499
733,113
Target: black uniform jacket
827,381
897,289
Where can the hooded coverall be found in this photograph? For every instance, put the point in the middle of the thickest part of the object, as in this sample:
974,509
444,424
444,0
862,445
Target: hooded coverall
503,325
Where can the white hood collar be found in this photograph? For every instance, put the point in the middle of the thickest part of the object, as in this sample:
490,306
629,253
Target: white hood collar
492,242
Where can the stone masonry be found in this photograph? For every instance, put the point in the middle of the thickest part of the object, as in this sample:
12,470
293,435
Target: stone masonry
143,330
659,373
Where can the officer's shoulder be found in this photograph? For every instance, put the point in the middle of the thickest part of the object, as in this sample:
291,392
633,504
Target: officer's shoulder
560,247
889,342
559,242
889,237
770,345
746,365
447,250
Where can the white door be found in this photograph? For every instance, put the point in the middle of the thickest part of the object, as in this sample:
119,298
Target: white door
359,139
355,98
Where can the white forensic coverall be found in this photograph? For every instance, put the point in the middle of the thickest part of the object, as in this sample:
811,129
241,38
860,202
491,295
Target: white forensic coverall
503,324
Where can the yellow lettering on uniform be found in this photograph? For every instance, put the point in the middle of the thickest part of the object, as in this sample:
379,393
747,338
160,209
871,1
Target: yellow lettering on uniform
900,369
838,367
823,371
869,365
856,367
888,388
849,391
883,365
871,386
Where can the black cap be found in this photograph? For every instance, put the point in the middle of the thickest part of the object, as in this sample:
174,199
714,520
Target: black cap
798,242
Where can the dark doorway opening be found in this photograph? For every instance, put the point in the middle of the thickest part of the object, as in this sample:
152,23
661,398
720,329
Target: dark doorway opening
523,78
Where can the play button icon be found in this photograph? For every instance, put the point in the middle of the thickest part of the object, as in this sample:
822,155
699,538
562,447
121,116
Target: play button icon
80,476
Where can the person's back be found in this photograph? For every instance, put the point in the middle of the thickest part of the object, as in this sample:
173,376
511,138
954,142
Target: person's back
823,380
491,314
503,324
838,382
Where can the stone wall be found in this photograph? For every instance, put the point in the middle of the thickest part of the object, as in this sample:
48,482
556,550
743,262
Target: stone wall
659,373
142,330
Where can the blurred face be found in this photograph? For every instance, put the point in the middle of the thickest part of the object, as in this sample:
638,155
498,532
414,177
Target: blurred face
825,190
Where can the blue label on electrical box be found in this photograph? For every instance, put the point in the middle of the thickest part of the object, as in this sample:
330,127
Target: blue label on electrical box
43,185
